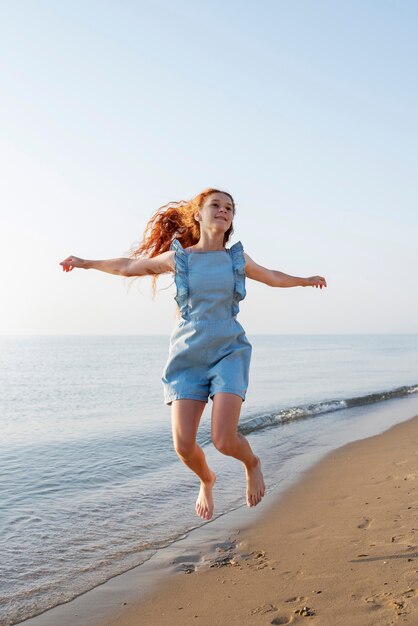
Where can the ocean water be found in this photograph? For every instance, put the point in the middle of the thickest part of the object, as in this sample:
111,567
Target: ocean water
90,485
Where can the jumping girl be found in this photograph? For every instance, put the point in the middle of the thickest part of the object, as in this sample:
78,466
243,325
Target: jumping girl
209,352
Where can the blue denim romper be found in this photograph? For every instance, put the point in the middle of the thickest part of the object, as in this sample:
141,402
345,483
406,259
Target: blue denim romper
209,351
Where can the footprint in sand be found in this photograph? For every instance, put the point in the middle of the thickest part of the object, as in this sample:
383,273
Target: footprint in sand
386,599
400,605
408,538
259,560
296,599
380,601
263,609
379,597
365,523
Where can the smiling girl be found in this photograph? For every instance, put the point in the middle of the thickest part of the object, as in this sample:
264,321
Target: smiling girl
209,353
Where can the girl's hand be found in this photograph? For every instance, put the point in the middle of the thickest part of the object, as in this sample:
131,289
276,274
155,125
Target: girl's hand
316,281
71,262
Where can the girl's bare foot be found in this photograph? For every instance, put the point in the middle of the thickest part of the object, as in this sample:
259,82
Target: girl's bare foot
204,502
255,483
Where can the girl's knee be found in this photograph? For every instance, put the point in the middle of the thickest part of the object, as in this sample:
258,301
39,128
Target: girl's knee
223,444
184,448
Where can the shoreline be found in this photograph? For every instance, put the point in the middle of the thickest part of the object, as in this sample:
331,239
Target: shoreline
248,559
340,546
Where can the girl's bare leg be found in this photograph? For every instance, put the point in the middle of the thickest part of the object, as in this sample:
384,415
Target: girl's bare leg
185,418
226,410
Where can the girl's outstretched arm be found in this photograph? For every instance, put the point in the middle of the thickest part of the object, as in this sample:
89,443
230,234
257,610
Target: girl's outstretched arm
124,266
274,278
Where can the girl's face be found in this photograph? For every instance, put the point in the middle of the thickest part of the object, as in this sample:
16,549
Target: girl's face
217,212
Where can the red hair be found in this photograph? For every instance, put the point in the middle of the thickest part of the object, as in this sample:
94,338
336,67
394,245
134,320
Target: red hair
175,220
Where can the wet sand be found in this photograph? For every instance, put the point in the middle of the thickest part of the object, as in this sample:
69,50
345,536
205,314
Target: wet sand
338,548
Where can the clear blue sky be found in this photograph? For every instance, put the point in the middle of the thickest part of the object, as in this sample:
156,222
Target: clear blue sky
305,111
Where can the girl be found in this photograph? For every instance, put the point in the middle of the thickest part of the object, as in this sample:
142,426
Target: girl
209,352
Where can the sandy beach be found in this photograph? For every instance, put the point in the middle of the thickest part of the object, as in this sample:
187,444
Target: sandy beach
338,548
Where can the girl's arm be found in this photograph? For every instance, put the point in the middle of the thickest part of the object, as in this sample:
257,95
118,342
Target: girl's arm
124,266
274,278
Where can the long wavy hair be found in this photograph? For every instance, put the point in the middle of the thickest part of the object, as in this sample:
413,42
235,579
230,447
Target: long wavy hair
175,220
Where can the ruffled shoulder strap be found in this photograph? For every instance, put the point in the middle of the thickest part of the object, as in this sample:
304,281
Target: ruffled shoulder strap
236,248
176,245
181,277
238,262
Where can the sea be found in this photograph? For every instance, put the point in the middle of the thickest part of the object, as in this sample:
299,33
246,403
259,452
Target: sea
90,484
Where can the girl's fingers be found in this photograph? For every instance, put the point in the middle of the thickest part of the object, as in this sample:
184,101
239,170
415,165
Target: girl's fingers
66,264
320,284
